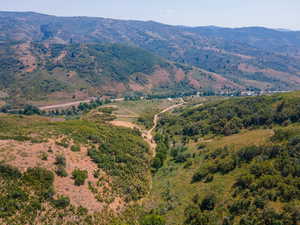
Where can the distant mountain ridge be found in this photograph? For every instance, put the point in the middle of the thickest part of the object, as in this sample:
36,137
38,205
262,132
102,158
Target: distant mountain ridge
254,57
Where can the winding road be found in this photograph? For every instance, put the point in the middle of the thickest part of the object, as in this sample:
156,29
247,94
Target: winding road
148,134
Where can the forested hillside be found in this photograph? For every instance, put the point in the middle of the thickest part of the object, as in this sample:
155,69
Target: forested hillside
233,161
40,72
255,57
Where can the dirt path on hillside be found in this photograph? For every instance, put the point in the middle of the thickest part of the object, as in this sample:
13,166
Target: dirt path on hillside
147,134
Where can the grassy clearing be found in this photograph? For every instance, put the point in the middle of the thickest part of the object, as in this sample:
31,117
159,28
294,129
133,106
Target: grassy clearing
236,141
140,112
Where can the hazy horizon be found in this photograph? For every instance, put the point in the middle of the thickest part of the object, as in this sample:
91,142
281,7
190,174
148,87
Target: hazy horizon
274,14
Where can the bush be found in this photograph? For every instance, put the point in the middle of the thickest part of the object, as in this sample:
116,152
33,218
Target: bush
61,171
75,148
156,163
200,175
244,181
209,178
208,203
226,165
7,171
239,206
60,160
62,202
153,220
79,176
201,146
44,156
181,158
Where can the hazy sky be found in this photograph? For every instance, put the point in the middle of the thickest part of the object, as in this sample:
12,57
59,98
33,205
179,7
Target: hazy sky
228,13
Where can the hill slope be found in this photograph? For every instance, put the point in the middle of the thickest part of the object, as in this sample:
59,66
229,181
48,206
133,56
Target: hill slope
234,162
254,57
69,172
37,71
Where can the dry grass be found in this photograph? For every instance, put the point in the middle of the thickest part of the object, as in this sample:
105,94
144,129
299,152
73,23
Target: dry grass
245,138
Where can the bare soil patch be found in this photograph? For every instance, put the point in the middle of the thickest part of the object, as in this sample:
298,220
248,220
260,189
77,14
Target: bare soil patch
24,155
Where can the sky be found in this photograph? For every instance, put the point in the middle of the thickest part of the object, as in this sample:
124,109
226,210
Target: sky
226,13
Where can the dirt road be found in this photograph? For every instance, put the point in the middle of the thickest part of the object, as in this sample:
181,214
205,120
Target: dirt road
64,105
147,134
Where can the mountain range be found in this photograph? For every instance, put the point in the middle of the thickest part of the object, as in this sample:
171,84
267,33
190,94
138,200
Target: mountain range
47,57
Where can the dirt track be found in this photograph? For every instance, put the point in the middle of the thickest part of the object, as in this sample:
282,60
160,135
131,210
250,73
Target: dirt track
64,105
147,134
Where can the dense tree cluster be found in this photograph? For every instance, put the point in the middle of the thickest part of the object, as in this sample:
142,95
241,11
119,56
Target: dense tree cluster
162,150
230,116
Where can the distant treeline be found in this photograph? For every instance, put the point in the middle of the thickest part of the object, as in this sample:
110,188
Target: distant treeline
72,111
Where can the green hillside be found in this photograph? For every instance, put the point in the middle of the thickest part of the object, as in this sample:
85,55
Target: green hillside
37,72
234,161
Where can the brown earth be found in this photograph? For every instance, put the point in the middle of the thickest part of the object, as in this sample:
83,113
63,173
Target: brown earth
24,155
26,57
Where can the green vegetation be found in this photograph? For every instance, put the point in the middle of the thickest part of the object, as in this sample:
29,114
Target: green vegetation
62,202
79,176
265,175
230,116
161,151
205,176
22,195
75,148
122,153
153,220
248,176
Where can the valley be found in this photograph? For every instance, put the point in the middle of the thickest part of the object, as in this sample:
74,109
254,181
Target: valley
127,122
178,160
49,63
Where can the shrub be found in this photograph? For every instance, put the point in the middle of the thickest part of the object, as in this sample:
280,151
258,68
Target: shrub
7,171
208,203
239,206
188,164
156,163
181,158
75,148
44,156
153,220
62,202
209,178
60,160
226,165
63,144
201,146
79,176
200,175
244,181
61,171
246,154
